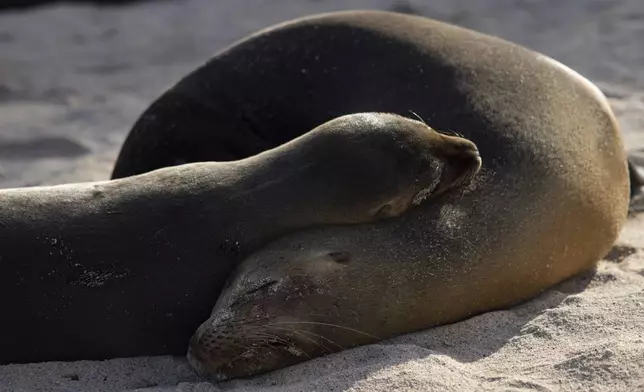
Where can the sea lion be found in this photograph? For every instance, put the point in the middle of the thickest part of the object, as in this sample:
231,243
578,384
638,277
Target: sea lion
549,201
131,267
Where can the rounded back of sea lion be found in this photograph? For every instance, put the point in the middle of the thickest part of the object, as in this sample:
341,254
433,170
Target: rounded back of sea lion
544,132
549,201
282,82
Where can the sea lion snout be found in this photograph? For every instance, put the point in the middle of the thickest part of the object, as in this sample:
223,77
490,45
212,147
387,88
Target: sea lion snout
459,160
208,350
196,360
459,147
221,350
463,155
462,160
466,157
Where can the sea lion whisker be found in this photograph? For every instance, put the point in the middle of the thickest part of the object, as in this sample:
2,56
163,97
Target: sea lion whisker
273,336
267,335
240,345
285,344
297,334
264,341
323,337
295,331
301,335
450,132
241,355
259,332
417,116
270,336
264,344
327,325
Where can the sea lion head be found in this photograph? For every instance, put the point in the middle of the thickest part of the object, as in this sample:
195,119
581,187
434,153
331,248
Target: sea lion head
268,317
379,165
289,303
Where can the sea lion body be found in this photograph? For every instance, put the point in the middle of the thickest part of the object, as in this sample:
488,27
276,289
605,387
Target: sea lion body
549,202
131,267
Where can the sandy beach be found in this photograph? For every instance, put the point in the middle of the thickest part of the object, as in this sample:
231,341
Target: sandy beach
73,79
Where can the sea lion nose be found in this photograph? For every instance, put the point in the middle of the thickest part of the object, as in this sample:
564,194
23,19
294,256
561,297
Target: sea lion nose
459,145
469,152
473,152
206,365
194,356
459,148
466,147
196,360
464,155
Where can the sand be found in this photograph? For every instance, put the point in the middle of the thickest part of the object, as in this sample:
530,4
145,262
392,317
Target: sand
73,79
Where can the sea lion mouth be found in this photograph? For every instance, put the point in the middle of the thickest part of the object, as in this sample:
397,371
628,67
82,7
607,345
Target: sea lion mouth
456,172
425,193
259,355
461,170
